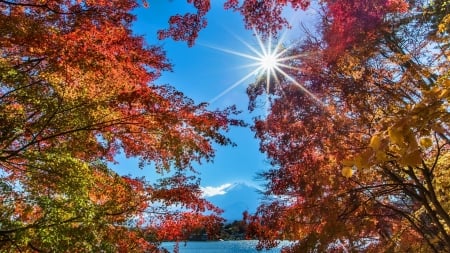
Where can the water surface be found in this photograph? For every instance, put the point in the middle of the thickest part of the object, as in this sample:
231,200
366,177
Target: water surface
247,246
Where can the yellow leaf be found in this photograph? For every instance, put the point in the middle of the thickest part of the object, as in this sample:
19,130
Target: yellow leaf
347,172
363,160
375,142
381,156
444,24
444,93
426,142
411,140
412,159
395,134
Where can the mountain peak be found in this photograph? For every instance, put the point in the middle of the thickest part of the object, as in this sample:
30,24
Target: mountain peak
234,199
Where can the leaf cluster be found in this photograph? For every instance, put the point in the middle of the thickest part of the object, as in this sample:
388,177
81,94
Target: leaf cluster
361,170
76,90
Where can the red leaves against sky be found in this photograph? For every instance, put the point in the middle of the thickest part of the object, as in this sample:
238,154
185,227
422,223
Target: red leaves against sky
350,64
350,22
186,27
357,22
76,90
263,16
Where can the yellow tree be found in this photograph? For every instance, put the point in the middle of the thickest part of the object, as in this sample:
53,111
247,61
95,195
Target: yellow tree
361,166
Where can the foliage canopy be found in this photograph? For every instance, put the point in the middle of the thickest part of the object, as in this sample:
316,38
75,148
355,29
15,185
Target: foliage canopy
364,170
76,89
367,168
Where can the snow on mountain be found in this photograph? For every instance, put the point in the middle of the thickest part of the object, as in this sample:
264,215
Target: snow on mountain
234,199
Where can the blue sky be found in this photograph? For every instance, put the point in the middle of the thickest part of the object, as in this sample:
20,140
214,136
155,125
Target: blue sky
202,73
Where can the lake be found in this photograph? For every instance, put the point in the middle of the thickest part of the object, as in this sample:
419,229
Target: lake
247,246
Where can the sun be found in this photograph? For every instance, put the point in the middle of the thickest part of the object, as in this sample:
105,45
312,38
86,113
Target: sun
269,61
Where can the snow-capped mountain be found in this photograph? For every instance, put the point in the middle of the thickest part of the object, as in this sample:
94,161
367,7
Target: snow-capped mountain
236,198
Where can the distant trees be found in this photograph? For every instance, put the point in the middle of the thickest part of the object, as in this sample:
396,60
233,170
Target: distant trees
236,230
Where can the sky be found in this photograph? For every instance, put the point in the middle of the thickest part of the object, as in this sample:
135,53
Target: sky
204,73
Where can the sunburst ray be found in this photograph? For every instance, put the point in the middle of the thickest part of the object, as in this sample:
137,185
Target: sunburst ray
269,61
223,93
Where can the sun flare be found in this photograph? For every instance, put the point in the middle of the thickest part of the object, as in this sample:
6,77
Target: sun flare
269,61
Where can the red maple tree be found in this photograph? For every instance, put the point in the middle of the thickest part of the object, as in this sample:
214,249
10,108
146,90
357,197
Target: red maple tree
76,90
363,169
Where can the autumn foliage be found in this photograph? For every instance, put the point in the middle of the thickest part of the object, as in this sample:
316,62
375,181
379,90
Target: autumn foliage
77,90
364,165
366,168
